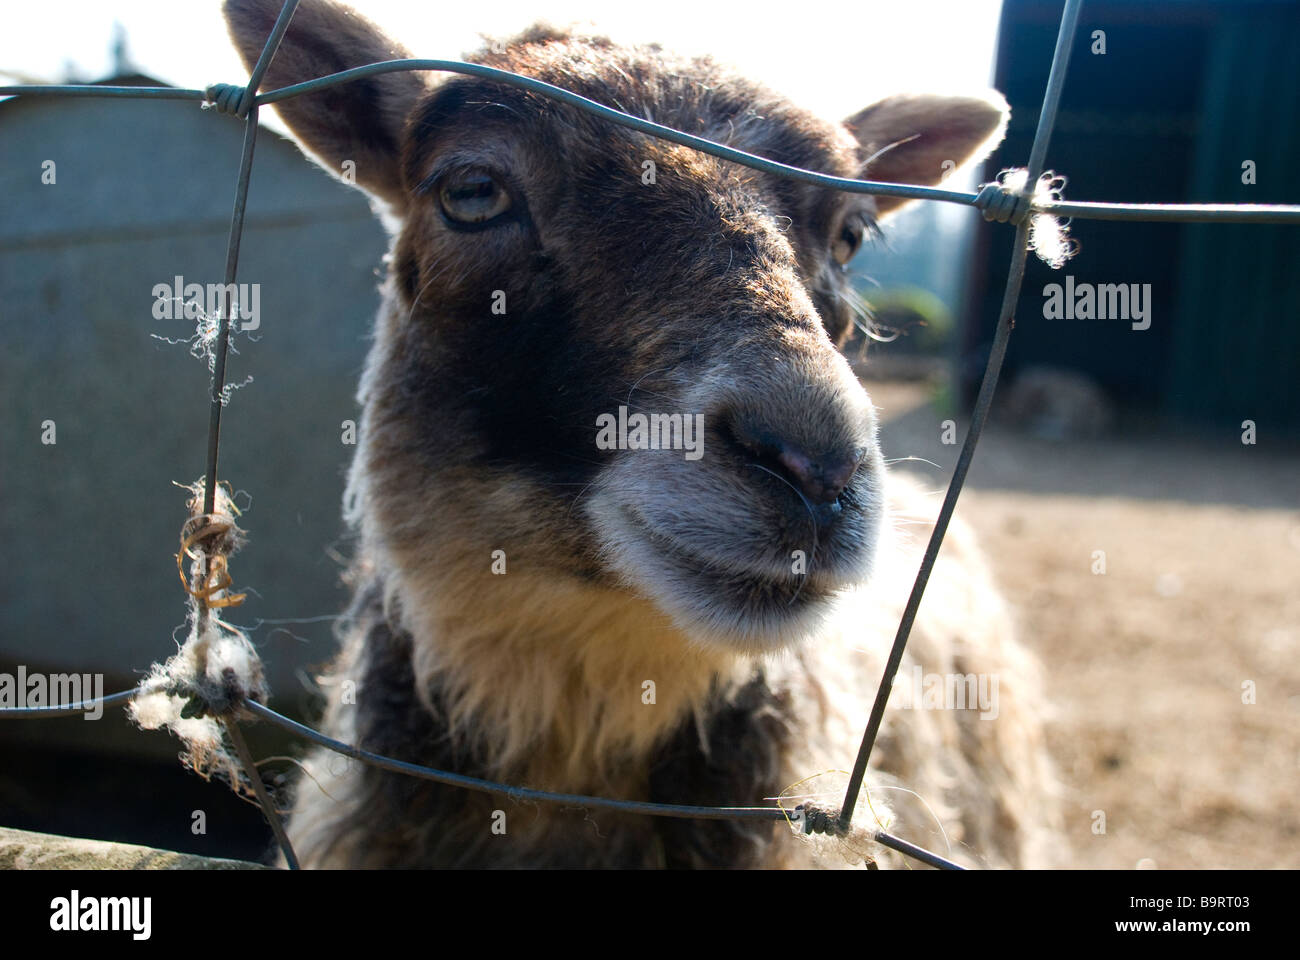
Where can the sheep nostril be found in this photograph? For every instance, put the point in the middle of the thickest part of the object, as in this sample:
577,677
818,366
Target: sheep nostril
819,478
822,479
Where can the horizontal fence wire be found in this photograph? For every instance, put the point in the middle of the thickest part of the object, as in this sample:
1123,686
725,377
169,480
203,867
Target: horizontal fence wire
1151,212
243,102
451,779
71,709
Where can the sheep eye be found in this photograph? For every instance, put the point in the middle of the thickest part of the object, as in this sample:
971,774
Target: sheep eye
850,239
472,197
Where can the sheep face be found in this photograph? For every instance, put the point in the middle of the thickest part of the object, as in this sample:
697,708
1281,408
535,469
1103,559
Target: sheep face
605,357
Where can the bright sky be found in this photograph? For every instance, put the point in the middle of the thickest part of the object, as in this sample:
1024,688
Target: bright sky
833,57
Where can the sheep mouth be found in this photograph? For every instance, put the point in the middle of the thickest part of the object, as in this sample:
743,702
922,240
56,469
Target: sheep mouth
724,598
726,567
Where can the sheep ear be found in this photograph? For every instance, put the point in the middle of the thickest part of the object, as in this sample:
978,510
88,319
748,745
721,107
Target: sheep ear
921,138
359,121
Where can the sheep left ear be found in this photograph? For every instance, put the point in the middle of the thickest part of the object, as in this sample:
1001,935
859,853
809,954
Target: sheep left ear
361,121
921,139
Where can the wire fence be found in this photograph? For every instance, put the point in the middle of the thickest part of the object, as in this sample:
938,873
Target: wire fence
1016,203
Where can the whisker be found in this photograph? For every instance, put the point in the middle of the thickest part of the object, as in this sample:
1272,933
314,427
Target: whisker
912,459
811,516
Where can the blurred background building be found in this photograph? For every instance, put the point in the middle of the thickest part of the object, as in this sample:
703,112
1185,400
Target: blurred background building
1186,94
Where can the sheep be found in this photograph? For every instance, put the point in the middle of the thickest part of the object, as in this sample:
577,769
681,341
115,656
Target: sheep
541,594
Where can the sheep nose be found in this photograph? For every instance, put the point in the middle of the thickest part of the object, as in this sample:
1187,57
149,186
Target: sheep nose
821,478
815,456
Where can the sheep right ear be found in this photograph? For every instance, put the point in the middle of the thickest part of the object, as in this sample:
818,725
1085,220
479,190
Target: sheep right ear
359,121
921,139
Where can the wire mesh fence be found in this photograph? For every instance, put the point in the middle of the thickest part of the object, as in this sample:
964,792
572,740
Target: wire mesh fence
1021,200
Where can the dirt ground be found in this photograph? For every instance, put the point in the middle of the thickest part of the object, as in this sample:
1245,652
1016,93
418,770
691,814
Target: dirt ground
1150,663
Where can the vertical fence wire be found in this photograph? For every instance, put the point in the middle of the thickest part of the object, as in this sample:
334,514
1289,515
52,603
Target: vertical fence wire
248,108
984,401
